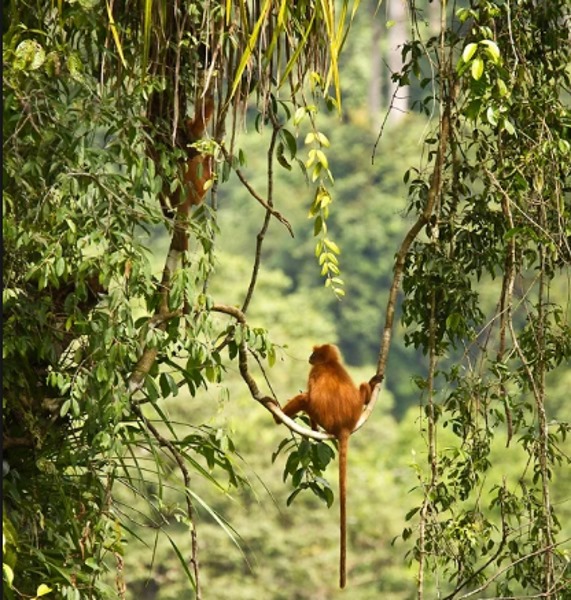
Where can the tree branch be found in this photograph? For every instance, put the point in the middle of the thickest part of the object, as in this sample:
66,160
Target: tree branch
165,443
255,195
271,404
161,317
262,233
423,218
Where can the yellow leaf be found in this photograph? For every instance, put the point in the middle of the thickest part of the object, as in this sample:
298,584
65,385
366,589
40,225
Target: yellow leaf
477,68
42,590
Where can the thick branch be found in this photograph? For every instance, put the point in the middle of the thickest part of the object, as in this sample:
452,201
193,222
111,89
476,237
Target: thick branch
160,318
369,408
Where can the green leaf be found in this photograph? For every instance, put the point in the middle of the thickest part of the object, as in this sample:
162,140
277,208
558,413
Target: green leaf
292,496
281,158
331,258
211,374
492,50
29,56
75,67
65,407
477,68
502,88
271,356
7,574
473,109
42,590
290,141
101,372
92,564
291,464
324,454
332,246
317,225
508,126
311,157
469,51
328,493
323,139
453,321
322,158
164,385
298,476
316,172
491,116
463,14
299,115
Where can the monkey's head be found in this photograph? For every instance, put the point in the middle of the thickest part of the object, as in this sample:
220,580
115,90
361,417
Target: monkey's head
324,353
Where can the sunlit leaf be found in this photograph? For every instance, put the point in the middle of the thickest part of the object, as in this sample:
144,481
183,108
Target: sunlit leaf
469,51
492,50
477,68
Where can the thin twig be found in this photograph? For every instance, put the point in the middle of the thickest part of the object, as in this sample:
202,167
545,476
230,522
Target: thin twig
255,195
262,233
432,454
164,442
507,568
506,304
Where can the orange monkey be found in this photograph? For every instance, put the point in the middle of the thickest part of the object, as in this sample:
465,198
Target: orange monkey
333,402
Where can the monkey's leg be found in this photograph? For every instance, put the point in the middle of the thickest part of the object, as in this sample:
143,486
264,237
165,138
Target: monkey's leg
295,405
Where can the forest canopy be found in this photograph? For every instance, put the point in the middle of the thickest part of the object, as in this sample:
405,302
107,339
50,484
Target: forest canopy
195,194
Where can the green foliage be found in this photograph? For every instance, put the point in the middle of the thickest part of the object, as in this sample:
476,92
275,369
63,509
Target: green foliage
76,187
96,336
130,439
500,222
305,465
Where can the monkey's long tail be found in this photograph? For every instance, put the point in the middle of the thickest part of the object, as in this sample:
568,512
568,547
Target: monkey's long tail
343,446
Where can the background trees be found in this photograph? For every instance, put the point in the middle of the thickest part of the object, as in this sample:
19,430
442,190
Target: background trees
124,410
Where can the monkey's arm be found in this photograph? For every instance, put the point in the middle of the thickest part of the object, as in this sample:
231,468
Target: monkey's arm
365,391
376,379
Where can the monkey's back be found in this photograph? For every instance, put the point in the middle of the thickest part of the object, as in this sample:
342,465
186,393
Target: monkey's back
334,401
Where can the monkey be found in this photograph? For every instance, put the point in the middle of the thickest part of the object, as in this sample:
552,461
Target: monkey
333,402
197,171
